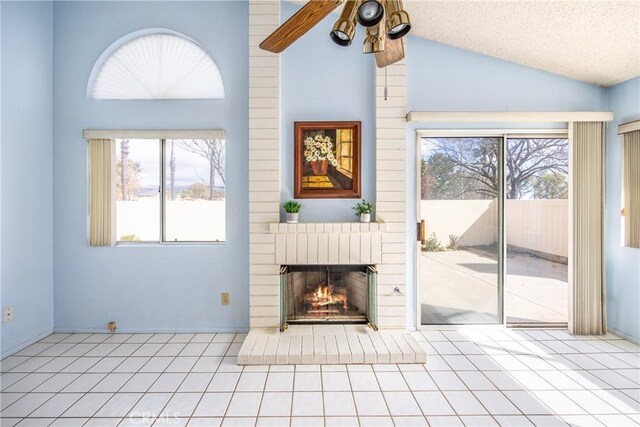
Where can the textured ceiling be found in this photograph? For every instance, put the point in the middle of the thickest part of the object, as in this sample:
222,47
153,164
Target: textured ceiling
596,41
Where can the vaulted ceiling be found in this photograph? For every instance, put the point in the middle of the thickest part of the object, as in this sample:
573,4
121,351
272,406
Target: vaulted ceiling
596,41
593,41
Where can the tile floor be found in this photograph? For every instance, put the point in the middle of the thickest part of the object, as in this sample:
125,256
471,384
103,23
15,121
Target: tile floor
476,377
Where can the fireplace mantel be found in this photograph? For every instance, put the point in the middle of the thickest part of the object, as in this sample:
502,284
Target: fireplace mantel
328,243
327,227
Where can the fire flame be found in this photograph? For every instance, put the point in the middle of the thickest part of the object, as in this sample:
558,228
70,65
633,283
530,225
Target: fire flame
323,296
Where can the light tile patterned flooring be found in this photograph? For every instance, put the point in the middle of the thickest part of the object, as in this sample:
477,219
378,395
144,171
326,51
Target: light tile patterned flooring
475,377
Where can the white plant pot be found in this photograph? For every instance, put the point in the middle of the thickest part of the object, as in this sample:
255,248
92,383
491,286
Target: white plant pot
292,218
365,217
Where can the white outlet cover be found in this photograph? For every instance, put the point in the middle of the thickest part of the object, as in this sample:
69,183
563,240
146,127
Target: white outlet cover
7,314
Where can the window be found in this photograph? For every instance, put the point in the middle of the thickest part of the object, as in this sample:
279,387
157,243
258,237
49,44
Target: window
161,65
137,190
170,190
344,152
630,183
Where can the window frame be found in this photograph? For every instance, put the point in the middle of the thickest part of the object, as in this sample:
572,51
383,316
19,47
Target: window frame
162,144
161,136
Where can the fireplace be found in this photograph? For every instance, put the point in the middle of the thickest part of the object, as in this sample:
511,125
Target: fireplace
314,294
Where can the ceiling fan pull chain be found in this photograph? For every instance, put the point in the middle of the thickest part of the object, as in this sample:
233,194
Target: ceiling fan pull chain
386,91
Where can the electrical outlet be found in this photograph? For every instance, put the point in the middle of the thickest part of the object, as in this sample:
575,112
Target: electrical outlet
7,314
224,298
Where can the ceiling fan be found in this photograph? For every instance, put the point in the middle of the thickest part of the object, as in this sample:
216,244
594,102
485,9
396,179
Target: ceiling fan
385,21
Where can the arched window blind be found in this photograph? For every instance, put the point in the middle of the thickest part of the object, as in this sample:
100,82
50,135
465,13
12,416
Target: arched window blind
158,66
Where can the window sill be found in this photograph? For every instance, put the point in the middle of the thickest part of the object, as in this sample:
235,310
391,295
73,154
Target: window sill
167,244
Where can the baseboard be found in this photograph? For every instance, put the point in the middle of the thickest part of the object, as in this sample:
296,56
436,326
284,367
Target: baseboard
26,344
621,334
152,330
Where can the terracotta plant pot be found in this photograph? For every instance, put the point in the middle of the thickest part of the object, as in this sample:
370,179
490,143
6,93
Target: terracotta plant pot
320,167
365,217
292,218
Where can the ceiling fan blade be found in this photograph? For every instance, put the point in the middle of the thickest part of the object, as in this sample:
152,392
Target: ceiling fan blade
392,53
295,27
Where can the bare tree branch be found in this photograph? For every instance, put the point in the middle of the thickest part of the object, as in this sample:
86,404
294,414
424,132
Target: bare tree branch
470,166
213,151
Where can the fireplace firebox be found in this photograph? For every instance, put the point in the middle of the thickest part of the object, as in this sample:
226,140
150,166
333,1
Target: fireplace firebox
315,294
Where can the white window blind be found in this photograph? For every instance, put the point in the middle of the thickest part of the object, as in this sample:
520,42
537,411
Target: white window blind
158,66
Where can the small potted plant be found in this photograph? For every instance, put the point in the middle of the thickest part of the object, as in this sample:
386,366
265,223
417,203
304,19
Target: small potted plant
363,210
292,209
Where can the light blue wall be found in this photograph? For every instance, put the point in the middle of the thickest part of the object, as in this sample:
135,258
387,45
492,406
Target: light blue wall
148,288
444,78
323,81
623,263
27,203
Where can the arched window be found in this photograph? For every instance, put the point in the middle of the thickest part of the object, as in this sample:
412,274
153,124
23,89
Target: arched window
157,65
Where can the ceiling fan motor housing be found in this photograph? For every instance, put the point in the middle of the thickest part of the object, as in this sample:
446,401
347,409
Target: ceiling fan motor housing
374,40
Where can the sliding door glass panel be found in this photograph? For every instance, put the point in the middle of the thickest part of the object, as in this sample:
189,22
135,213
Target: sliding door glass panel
459,267
137,190
194,190
537,225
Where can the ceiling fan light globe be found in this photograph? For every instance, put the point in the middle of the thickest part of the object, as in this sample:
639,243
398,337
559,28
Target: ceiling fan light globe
340,38
370,13
399,31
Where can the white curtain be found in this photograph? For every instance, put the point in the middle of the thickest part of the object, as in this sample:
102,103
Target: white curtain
101,192
631,185
588,311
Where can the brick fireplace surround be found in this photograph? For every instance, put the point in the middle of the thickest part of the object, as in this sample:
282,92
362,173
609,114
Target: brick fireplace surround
272,243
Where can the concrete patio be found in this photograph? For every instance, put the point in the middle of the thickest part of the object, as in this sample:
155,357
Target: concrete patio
460,287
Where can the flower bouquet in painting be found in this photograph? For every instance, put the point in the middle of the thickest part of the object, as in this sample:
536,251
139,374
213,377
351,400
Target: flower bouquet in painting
318,152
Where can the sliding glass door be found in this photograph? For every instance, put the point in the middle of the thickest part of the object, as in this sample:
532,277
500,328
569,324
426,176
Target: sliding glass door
460,192
537,226
493,228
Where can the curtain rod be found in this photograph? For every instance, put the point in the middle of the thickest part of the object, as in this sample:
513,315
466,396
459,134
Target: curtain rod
153,133
508,116
628,127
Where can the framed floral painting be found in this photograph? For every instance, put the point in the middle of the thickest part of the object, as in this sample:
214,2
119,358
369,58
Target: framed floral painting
327,160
